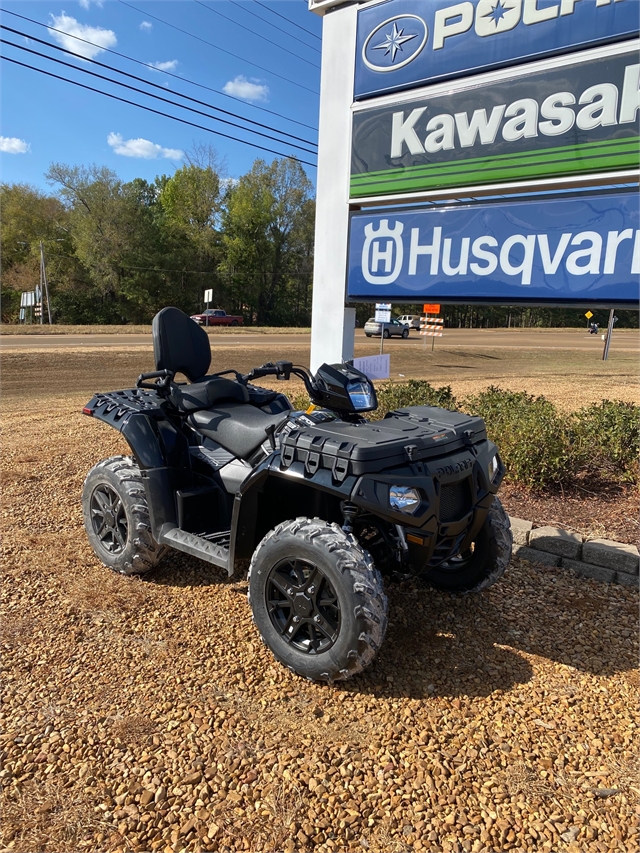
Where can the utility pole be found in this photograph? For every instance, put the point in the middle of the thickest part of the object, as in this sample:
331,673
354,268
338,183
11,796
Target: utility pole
44,288
607,341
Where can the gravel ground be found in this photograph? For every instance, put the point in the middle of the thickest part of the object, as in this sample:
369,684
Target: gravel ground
146,715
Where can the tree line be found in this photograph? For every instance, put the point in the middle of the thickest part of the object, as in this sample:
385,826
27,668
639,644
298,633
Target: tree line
118,252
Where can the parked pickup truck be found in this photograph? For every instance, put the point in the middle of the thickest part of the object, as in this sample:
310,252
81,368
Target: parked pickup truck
217,317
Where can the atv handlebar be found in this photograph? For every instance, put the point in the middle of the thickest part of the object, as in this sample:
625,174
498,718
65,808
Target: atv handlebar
283,370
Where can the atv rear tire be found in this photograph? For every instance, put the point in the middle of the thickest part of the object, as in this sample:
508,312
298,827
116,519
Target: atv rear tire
481,567
116,517
317,600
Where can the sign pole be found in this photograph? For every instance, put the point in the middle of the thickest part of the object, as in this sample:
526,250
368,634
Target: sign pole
607,342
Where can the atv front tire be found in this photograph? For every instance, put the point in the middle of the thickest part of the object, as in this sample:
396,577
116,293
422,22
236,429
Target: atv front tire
482,565
116,517
317,600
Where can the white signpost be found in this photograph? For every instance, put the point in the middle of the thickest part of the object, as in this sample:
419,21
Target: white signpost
208,297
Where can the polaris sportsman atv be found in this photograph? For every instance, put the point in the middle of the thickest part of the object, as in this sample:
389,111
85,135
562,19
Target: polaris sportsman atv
322,501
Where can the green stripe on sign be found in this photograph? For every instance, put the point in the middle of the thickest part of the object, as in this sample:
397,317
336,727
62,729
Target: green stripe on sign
609,155
586,148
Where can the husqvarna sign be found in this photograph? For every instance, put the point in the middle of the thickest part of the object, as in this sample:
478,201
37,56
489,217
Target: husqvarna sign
406,43
560,250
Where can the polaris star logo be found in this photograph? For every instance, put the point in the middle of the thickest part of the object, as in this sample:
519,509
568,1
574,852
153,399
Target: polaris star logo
407,43
394,43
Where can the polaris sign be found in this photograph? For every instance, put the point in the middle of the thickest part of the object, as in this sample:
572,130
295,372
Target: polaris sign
406,43
576,116
566,250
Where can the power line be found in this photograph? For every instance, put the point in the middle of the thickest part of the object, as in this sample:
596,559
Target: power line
284,18
151,95
162,89
216,47
162,71
276,27
156,112
249,30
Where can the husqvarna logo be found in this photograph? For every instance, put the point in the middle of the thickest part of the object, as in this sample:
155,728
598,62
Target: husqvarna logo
382,252
394,43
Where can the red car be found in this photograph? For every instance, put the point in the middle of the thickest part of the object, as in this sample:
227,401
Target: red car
217,317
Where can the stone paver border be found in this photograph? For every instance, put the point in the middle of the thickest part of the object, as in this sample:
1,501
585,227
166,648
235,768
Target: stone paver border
602,559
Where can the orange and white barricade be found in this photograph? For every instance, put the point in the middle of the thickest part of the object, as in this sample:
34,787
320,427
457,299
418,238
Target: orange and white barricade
431,327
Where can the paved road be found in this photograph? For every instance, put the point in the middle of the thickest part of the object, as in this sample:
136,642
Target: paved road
575,339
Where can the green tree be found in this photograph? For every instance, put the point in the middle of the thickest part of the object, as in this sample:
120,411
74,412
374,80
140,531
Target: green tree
30,217
267,238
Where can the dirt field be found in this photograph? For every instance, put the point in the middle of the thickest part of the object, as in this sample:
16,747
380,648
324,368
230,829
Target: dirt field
145,715
571,378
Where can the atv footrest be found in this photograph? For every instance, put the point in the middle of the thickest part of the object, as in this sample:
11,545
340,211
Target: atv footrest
212,547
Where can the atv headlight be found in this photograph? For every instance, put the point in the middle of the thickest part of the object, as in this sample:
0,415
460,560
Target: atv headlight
361,394
404,499
494,467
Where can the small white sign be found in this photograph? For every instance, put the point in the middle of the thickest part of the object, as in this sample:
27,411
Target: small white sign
374,366
208,296
27,299
383,312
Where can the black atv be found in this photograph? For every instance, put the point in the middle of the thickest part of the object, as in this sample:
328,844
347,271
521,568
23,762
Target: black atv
321,501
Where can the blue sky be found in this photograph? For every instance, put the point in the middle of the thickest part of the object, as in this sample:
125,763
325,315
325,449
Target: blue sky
46,120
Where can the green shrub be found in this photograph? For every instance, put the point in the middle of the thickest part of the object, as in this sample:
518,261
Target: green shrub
532,436
538,444
415,392
300,402
606,439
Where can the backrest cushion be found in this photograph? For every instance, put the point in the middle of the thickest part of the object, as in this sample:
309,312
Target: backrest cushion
180,344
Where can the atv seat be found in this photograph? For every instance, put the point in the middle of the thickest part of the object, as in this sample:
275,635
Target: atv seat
181,346
239,428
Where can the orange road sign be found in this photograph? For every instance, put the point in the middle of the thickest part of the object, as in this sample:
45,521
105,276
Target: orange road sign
431,309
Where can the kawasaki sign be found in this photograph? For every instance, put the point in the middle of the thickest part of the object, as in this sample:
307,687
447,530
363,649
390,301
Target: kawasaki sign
401,44
577,116
566,250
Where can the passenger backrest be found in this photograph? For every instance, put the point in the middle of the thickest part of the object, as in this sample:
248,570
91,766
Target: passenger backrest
180,344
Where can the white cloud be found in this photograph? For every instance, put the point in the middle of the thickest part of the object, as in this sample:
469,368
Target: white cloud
85,4
141,148
145,26
171,65
13,145
100,38
248,90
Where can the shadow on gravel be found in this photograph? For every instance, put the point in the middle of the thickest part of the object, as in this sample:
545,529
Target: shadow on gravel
439,644
447,645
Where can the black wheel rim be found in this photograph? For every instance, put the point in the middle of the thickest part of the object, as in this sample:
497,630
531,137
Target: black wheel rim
108,519
303,606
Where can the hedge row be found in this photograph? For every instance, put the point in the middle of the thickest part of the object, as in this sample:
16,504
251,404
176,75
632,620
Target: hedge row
539,444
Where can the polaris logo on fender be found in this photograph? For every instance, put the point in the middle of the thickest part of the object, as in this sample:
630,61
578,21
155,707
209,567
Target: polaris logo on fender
427,40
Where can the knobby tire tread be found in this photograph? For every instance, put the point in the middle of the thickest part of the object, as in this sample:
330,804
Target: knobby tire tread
145,552
365,579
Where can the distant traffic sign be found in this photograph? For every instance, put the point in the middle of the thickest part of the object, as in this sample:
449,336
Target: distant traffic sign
588,315
431,309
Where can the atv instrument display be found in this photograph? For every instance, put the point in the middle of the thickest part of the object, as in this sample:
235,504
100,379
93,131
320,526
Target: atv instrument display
322,503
